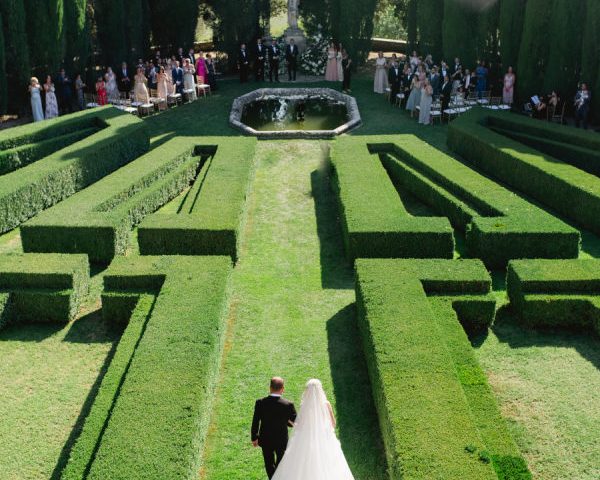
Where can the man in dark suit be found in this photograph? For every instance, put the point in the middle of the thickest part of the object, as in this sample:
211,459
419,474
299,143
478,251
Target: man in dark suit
272,417
394,79
273,53
177,74
446,93
259,61
291,56
124,79
65,91
436,82
243,63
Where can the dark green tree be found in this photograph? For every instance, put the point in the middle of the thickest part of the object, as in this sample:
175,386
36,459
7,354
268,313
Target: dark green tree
45,34
111,23
137,27
512,16
77,35
533,54
488,39
356,27
3,97
174,22
412,25
430,16
565,41
460,32
18,68
590,52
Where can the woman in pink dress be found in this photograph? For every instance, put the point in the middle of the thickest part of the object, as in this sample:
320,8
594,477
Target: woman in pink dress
508,92
200,70
331,73
101,91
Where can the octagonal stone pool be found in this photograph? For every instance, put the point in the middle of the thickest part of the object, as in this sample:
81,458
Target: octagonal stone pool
295,113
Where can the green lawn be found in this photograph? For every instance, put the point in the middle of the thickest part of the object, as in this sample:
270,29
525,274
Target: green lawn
292,314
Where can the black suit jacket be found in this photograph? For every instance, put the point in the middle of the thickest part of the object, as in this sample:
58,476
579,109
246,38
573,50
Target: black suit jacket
272,417
260,53
243,59
291,55
395,79
273,53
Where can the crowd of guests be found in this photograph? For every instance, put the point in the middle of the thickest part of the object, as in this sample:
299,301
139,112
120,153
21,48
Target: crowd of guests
161,76
421,82
550,106
267,56
339,66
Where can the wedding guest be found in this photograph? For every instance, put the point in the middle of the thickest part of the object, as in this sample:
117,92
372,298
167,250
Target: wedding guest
188,79
469,81
243,63
51,101
381,76
36,99
340,58
162,83
79,86
200,69
64,89
101,91
436,82
273,55
482,73
124,79
259,62
509,87
211,72
156,59
180,56
456,68
291,56
414,98
192,56
426,100
583,98
331,71
140,90
446,93
347,67
428,63
457,78
414,61
444,70
177,76
407,77
151,72
395,82
112,90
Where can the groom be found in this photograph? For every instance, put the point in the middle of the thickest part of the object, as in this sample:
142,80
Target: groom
272,417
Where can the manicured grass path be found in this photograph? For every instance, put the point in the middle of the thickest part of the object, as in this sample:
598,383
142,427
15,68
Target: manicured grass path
292,314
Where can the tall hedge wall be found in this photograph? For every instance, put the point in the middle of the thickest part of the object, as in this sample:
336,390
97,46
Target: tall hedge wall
3,93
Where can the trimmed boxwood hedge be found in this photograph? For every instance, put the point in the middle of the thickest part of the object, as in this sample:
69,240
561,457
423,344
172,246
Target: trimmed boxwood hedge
560,293
499,225
151,413
437,415
374,220
99,219
42,287
35,187
210,216
565,188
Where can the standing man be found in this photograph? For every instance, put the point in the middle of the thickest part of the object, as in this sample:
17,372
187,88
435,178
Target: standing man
272,417
582,106
124,79
291,56
259,65
446,93
273,62
243,63
177,74
394,79
65,91
436,82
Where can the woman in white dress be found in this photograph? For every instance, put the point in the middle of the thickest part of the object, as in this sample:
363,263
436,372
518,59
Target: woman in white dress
314,452
340,58
112,91
426,100
381,77
331,72
188,78
36,99
51,101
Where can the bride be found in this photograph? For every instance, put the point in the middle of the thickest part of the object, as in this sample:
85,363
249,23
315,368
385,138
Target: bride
314,452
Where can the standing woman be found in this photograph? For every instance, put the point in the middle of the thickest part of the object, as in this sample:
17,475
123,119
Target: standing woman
201,69
381,80
140,91
414,98
101,91
36,99
51,101
79,86
508,93
211,72
112,91
162,83
331,72
347,67
426,100
339,59
188,78
482,74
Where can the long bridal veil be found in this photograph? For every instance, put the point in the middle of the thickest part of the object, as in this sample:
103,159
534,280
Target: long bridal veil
314,452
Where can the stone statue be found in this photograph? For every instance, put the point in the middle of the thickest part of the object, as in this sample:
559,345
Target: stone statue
293,13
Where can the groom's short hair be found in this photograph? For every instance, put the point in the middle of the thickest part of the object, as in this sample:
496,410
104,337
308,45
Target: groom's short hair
277,384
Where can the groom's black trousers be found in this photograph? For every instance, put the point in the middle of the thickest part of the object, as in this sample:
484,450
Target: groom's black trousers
272,456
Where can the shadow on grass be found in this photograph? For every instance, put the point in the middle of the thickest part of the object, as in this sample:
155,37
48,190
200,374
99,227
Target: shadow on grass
336,272
508,329
85,330
357,419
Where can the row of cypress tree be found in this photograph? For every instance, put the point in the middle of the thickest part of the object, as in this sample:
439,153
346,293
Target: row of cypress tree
552,44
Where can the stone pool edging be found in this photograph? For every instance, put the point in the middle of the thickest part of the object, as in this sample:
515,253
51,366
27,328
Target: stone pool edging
237,109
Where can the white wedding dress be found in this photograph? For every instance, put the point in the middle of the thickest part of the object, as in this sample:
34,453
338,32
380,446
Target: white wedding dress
314,452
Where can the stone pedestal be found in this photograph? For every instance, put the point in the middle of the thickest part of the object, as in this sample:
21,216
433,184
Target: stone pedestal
298,35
